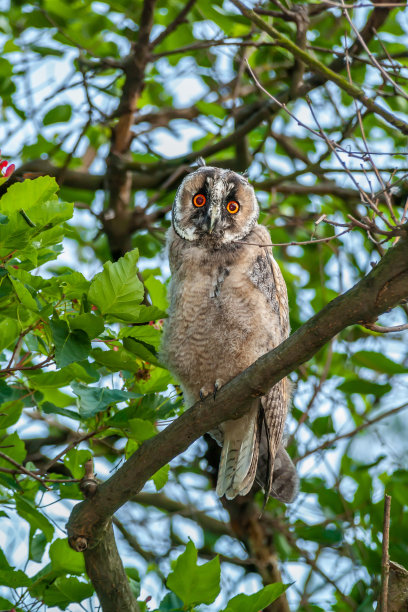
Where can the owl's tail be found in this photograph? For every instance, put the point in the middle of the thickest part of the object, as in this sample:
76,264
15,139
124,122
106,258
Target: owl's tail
239,457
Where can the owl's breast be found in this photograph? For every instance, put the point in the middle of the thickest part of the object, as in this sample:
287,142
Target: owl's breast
218,324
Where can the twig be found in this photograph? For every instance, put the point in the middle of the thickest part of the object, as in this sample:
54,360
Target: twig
33,367
13,471
174,24
386,330
90,434
23,470
385,564
294,243
353,432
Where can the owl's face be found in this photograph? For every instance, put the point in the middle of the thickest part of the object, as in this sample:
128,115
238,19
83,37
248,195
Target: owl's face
215,206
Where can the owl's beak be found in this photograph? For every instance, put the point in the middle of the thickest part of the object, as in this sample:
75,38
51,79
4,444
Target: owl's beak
213,219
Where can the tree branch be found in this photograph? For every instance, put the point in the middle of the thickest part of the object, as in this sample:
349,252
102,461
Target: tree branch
104,567
381,289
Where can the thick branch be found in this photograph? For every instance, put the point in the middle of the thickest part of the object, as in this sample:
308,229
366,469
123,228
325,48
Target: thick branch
119,179
104,567
381,289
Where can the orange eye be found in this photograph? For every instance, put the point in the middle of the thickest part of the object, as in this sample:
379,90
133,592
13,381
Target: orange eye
232,207
199,200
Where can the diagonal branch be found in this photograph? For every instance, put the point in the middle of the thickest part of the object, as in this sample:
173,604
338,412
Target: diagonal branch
383,288
181,17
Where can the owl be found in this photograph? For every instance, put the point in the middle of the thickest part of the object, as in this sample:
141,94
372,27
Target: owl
228,306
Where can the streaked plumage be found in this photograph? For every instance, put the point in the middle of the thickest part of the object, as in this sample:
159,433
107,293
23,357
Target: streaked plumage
228,306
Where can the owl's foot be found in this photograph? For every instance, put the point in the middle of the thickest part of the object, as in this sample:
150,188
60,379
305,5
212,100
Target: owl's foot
208,390
217,386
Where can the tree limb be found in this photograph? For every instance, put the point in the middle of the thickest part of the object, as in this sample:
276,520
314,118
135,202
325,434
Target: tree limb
380,290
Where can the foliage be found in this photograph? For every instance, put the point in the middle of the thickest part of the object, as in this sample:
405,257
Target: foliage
80,375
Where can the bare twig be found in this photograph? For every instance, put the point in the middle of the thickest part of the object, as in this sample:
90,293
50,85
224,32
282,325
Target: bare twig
174,24
386,330
46,468
295,243
385,563
353,432
23,470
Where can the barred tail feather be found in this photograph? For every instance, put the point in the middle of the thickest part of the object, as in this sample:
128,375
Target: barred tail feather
239,455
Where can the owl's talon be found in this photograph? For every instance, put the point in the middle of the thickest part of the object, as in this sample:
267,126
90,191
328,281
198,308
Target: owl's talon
201,394
217,387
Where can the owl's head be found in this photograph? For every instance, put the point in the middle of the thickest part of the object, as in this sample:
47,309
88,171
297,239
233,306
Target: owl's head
214,205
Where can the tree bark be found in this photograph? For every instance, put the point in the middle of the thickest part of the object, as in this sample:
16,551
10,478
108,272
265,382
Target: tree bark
106,572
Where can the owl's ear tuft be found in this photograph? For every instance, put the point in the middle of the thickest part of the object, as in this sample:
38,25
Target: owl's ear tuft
200,161
245,174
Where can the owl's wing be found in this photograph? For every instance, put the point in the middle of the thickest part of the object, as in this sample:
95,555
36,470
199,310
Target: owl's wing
275,471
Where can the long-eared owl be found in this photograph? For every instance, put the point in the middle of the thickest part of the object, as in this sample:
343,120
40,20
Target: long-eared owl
228,306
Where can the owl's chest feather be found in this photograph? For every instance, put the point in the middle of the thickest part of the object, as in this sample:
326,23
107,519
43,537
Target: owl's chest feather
217,320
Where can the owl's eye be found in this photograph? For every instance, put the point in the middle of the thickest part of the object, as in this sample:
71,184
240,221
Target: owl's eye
233,207
199,200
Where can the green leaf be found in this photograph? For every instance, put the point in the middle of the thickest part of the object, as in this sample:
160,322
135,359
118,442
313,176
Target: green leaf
24,295
75,460
58,114
258,601
36,520
157,379
318,533
70,346
117,291
10,413
37,547
195,584
49,408
157,291
146,352
14,579
146,333
14,448
141,430
95,399
89,323
171,603
6,604
378,362
364,387
9,330
322,425
64,559
161,477
116,360
4,564
150,313
59,378
29,194
73,589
